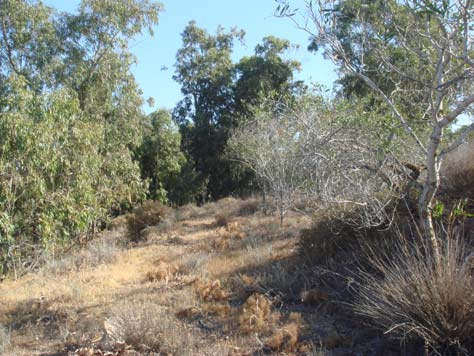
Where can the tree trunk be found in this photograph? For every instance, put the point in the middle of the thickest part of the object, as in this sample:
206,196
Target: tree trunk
430,187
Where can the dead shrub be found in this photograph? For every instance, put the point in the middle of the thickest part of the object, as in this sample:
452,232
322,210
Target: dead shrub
222,219
255,315
146,326
221,244
150,213
219,308
244,285
248,207
407,296
234,230
212,291
163,272
286,337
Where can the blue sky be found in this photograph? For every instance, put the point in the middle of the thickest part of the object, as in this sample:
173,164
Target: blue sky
253,16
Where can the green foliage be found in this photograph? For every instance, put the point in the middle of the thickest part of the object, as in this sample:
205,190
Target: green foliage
264,74
70,115
381,57
218,95
160,156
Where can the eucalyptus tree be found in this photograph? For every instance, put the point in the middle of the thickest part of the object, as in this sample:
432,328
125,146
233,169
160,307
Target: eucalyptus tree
160,156
70,112
219,94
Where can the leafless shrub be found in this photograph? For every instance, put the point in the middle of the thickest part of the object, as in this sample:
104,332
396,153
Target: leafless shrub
229,204
406,295
322,151
333,233
146,326
188,211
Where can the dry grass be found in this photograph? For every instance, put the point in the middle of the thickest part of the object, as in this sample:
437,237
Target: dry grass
256,315
177,294
457,171
408,297
188,211
147,326
222,219
314,296
101,250
336,340
248,207
4,338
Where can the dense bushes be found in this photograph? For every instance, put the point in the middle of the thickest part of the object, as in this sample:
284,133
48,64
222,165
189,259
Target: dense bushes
56,184
71,114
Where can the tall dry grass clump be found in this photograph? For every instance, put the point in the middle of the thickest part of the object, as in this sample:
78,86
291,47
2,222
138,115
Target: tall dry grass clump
406,295
147,326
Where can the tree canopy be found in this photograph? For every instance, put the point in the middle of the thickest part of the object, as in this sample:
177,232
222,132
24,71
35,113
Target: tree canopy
71,113
218,94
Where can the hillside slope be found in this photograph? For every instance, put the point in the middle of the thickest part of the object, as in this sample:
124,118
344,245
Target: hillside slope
223,279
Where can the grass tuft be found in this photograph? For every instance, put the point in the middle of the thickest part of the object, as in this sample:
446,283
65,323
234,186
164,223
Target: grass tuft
146,326
408,297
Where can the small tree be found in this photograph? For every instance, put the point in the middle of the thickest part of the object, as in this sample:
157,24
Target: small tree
436,39
324,151
270,146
